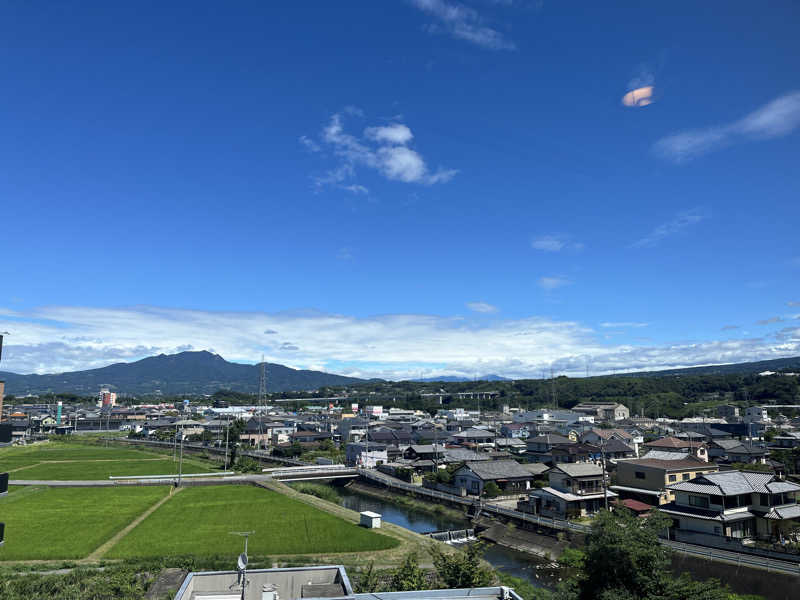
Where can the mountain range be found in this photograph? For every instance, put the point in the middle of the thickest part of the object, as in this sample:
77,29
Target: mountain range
205,373
183,373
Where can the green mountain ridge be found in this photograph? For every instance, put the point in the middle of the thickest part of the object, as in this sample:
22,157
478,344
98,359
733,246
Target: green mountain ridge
184,373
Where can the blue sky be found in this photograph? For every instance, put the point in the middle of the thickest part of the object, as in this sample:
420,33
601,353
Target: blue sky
400,188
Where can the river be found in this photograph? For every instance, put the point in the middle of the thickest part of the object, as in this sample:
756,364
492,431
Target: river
519,564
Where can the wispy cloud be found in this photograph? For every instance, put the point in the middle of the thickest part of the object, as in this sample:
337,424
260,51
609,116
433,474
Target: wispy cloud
57,339
770,321
555,243
729,327
384,149
552,283
792,303
775,119
462,22
345,254
623,324
679,223
310,144
481,307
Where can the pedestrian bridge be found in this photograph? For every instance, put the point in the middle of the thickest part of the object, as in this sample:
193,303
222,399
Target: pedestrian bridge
311,472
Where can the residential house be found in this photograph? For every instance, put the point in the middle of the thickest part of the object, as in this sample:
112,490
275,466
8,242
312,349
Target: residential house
604,411
424,452
789,439
728,411
362,454
735,504
575,490
575,453
515,430
509,475
602,437
480,438
646,479
672,447
756,414
261,432
512,445
540,447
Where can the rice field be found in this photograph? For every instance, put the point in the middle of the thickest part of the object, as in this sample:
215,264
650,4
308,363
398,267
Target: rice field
68,523
199,520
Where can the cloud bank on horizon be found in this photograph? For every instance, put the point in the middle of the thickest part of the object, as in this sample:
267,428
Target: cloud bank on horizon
65,338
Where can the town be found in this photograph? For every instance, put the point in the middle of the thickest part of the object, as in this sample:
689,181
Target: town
726,483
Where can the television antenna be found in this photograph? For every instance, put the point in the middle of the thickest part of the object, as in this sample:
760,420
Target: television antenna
241,561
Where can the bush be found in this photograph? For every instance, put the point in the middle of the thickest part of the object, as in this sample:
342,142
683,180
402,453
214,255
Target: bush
318,490
490,490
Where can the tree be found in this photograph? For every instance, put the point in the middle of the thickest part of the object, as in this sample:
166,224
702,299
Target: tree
408,576
490,490
623,554
462,568
369,581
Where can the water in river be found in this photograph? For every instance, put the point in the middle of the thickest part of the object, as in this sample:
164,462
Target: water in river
519,564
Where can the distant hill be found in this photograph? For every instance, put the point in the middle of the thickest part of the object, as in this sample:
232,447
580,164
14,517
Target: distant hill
776,364
184,373
456,379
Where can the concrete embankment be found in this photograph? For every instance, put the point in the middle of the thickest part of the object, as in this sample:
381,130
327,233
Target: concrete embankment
523,540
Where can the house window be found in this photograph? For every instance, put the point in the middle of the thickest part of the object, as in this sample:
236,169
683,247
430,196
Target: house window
639,475
685,476
717,530
699,501
672,478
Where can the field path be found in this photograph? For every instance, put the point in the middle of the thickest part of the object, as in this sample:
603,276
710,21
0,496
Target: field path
104,548
22,468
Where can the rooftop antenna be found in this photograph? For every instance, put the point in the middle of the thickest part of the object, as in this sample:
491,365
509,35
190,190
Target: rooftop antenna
553,389
241,562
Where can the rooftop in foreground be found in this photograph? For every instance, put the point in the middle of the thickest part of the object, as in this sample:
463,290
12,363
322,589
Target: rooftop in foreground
312,582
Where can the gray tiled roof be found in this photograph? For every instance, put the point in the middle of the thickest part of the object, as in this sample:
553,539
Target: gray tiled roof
498,469
580,469
732,483
788,512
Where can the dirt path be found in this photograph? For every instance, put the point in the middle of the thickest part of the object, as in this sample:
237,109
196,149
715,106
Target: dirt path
23,468
104,548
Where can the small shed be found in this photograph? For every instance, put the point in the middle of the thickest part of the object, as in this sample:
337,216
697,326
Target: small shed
370,520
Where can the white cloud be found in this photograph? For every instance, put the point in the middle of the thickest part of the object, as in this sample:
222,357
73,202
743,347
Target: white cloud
464,23
552,283
775,119
769,321
679,223
396,133
792,303
623,324
482,307
310,144
356,189
61,338
384,149
555,243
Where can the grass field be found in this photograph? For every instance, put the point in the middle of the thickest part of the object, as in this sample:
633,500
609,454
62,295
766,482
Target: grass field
58,523
103,469
62,461
198,520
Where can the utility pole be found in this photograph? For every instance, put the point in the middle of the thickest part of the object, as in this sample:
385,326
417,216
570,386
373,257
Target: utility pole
605,485
227,428
262,400
180,467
